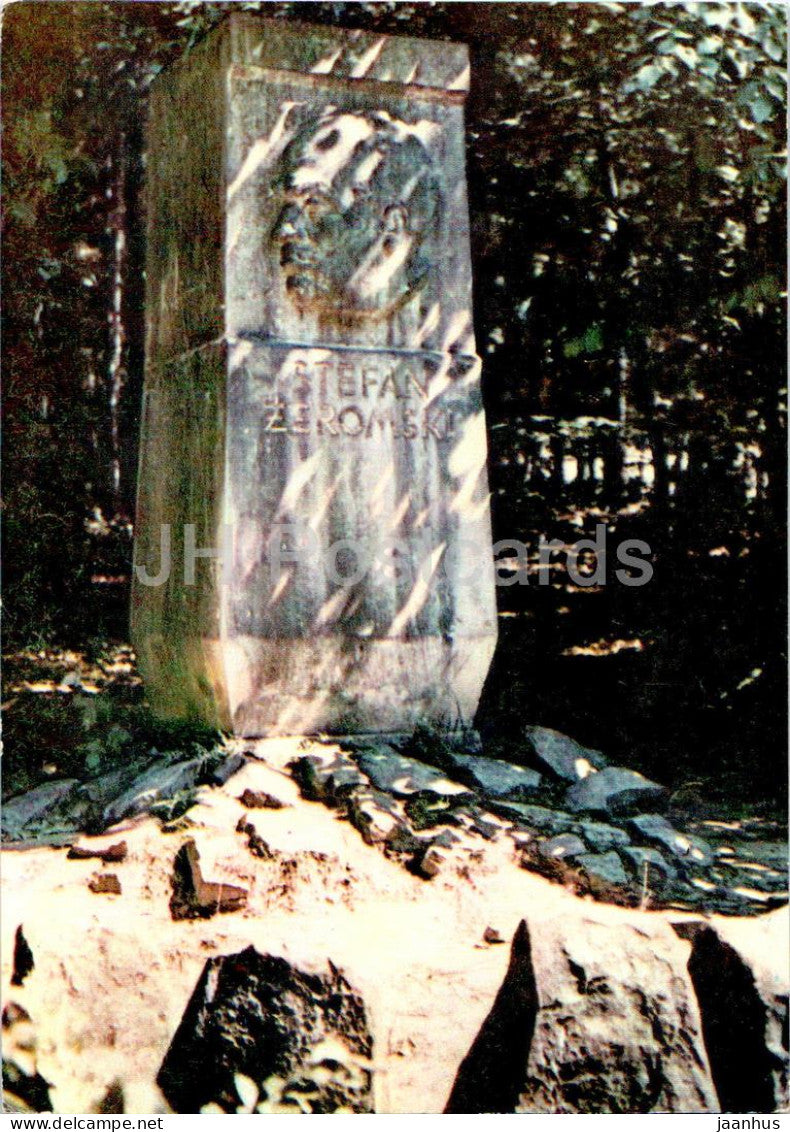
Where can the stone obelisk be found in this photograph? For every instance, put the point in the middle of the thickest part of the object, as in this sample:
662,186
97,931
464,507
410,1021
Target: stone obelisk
313,541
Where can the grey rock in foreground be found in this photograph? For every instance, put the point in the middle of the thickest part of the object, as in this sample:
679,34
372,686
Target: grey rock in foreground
592,1017
614,792
255,1018
743,997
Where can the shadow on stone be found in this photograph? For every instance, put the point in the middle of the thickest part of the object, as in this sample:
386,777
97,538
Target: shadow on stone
258,1017
733,1025
492,1075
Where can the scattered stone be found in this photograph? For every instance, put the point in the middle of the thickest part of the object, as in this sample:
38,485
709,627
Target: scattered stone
112,855
560,756
605,873
653,829
739,971
195,897
601,837
489,830
260,800
328,777
446,839
255,843
260,1018
429,864
105,883
398,775
495,778
491,935
159,783
614,792
23,958
562,846
613,1029
25,812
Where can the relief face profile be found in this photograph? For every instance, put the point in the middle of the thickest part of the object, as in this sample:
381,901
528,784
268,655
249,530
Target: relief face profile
343,251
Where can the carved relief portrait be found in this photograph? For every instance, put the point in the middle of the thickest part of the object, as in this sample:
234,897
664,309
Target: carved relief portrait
354,237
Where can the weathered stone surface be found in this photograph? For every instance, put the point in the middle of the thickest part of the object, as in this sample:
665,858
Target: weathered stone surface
740,974
311,372
560,756
654,829
389,771
257,1017
614,791
22,813
495,778
592,1017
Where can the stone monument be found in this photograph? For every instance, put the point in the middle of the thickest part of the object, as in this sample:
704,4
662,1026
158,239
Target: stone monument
313,543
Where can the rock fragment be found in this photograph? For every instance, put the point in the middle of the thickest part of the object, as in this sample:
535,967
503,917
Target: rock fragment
195,897
105,883
614,791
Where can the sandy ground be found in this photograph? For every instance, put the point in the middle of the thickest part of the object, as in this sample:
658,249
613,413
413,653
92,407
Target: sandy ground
113,973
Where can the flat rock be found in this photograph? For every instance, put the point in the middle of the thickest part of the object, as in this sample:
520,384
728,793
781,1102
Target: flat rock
600,836
496,779
614,791
534,817
654,829
560,756
592,1017
396,774
25,811
562,846
157,784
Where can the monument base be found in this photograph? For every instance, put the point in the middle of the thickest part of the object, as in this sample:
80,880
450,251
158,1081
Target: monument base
329,685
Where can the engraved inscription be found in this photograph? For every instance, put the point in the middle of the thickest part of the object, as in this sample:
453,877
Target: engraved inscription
360,202
331,397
